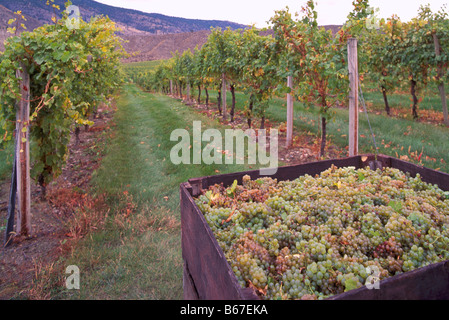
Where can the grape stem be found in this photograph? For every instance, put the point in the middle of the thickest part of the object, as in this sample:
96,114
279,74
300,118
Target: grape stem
232,213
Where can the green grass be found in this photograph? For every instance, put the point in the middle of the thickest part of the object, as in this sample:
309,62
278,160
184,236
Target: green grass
430,100
140,257
6,160
6,157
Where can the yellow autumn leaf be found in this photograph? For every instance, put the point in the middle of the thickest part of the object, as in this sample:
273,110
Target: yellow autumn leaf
259,72
422,23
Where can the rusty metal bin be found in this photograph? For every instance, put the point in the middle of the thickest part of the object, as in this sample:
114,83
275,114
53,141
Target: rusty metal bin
208,275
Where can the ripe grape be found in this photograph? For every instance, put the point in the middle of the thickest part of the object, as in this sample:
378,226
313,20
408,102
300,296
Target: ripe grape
317,236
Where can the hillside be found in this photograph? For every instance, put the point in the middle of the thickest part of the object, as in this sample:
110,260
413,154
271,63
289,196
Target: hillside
157,47
152,36
130,19
5,16
147,36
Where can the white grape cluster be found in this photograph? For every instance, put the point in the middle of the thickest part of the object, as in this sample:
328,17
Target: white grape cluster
316,236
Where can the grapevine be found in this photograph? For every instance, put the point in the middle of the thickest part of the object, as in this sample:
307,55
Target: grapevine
315,237
71,72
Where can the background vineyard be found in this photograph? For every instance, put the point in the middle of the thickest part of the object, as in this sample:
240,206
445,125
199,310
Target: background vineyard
395,135
417,136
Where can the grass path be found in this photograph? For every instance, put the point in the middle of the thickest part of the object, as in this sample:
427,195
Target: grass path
138,254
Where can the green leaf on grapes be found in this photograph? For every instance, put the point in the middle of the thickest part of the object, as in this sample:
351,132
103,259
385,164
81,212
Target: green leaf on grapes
375,233
350,284
231,191
361,176
396,205
414,217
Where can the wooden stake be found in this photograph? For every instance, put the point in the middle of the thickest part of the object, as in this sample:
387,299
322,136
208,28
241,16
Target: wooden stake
441,84
23,154
188,91
223,96
289,113
353,98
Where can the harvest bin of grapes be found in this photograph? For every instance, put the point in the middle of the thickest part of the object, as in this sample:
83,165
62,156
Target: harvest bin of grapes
363,227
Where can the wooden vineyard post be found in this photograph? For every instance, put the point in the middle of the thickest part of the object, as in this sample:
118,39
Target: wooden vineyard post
353,98
223,96
188,91
171,87
23,155
441,83
289,113
179,85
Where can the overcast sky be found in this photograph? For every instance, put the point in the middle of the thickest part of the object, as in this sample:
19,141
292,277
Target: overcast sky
258,12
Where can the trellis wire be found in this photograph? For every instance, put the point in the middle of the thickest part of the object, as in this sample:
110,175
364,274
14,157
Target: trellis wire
362,101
